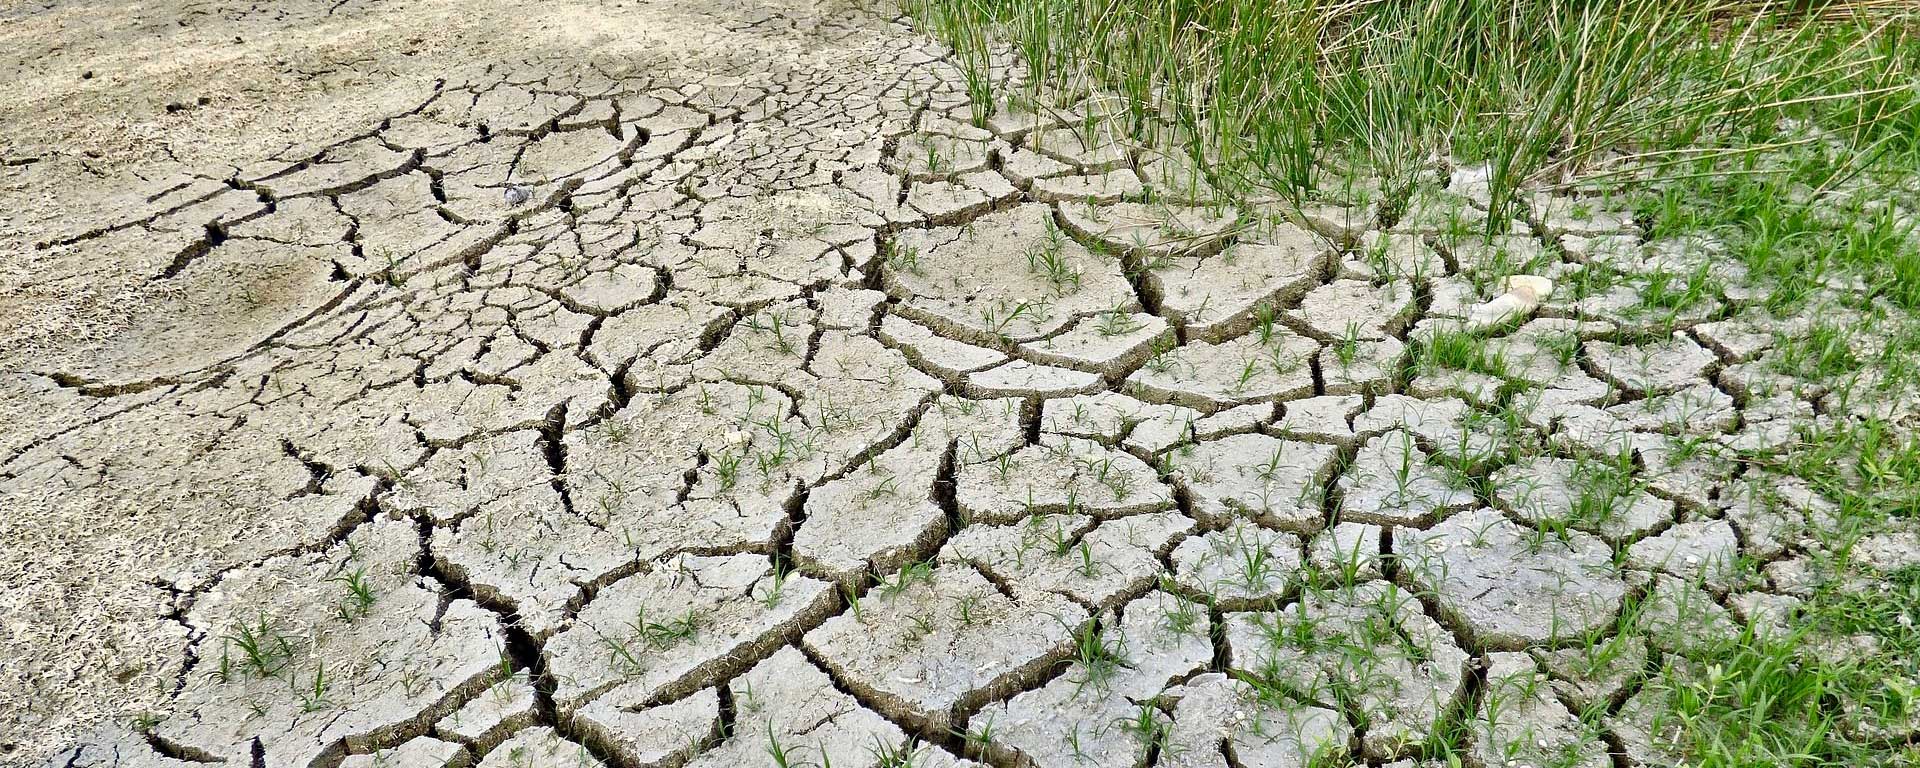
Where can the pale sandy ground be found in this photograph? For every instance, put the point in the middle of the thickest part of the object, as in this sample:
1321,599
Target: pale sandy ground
105,109
107,104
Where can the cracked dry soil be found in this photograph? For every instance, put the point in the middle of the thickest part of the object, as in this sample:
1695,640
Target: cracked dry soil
790,413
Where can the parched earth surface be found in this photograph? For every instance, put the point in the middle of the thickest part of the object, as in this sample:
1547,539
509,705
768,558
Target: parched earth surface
656,385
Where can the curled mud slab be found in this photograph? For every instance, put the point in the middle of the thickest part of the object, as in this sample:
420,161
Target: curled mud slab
652,386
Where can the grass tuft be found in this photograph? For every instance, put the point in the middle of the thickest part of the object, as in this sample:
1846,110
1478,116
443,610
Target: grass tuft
1272,93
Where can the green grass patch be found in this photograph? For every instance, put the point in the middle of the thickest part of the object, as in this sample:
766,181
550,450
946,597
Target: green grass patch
1274,93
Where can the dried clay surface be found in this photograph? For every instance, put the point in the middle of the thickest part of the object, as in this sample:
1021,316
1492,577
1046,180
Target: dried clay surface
662,384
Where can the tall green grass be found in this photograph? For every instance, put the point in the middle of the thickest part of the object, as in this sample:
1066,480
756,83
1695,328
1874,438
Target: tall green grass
1271,93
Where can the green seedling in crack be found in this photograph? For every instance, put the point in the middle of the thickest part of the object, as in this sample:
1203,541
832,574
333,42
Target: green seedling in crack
360,596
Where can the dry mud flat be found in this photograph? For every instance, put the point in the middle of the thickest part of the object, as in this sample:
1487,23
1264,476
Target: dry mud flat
791,417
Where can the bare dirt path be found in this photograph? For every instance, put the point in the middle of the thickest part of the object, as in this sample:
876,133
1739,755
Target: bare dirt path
691,383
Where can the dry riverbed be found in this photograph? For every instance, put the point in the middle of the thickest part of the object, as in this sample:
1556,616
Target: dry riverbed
694,383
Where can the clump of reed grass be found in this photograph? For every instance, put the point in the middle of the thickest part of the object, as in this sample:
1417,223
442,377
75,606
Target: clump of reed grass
1269,94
